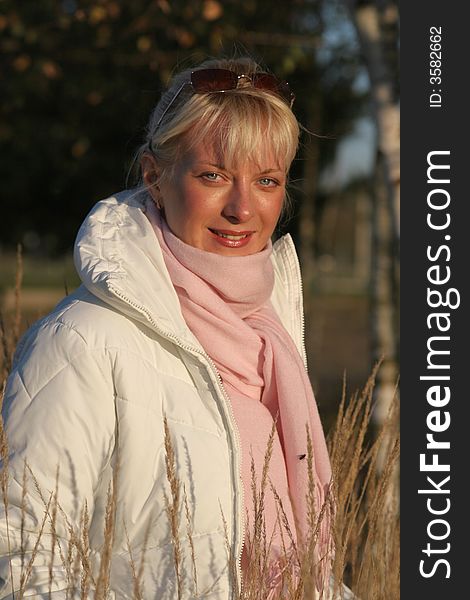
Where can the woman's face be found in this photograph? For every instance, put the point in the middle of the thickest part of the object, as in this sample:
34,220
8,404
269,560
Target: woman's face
229,211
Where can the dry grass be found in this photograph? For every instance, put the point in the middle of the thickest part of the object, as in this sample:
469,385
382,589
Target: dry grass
364,500
366,490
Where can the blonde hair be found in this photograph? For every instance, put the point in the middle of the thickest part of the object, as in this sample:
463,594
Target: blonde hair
239,123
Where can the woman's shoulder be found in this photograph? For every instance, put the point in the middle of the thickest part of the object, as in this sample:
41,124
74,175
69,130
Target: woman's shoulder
81,322
287,297
287,276
285,259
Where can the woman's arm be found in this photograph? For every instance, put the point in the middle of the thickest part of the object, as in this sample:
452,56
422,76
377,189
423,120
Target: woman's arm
59,423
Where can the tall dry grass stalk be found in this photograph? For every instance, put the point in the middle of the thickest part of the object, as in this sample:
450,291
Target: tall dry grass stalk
365,476
173,506
365,525
106,553
9,335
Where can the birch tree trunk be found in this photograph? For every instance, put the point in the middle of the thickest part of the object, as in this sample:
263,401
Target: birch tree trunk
310,179
307,213
377,25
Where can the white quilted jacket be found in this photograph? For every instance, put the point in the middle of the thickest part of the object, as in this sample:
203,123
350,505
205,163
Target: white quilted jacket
90,386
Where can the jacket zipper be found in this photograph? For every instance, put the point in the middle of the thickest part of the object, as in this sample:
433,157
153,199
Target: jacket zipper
241,518
200,351
302,316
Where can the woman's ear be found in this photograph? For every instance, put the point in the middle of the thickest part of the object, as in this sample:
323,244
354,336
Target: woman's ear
151,175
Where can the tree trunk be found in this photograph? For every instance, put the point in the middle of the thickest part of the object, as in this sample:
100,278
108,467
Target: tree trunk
307,213
377,24
307,208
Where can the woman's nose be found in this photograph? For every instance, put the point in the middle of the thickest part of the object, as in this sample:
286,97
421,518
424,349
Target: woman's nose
239,205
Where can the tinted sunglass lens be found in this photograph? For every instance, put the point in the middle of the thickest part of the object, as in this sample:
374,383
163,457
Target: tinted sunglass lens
266,81
213,80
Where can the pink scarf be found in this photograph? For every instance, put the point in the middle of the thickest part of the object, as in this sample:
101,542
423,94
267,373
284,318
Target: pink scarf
226,303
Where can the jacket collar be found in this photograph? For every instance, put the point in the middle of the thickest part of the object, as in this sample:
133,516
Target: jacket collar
119,260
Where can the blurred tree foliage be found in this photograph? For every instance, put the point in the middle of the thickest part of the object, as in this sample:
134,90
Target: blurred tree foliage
79,78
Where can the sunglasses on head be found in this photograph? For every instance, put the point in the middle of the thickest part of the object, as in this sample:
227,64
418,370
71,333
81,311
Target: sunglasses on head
206,81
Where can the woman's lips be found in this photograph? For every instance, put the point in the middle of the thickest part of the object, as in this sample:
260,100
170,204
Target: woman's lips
231,239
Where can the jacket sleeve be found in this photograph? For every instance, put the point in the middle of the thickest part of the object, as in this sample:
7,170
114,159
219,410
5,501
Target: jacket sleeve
59,425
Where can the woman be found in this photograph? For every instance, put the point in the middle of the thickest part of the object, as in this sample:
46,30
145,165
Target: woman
175,372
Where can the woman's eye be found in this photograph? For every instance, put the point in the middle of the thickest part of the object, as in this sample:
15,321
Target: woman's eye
268,182
210,176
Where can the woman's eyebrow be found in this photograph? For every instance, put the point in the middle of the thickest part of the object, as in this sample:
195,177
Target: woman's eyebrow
210,164
222,167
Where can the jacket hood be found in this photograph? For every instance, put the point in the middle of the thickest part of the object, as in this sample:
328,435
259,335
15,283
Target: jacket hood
119,260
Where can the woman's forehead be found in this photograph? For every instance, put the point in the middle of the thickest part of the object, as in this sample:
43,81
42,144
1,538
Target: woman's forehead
213,151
